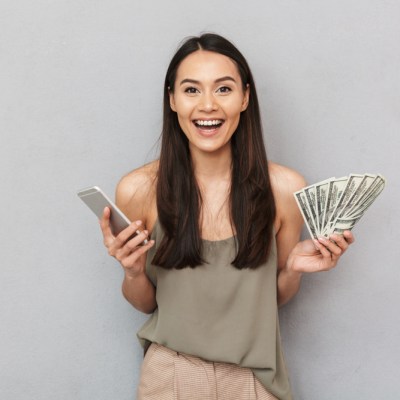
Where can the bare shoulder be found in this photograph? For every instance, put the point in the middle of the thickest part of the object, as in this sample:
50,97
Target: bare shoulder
135,194
284,180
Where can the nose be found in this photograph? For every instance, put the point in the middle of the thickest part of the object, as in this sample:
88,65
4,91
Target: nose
208,102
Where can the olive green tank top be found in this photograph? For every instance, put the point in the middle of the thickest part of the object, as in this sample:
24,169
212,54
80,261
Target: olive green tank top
220,313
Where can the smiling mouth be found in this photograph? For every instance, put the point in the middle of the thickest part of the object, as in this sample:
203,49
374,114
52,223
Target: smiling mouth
208,124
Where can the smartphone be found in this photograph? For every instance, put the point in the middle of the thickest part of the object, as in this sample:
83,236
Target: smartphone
97,200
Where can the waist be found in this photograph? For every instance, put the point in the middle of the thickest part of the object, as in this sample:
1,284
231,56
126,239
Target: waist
191,377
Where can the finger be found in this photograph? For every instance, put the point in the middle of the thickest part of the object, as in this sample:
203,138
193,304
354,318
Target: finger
131,239
348,235
131,247
105,225
130,260
137,240
322,249
331,246
340,241
128,232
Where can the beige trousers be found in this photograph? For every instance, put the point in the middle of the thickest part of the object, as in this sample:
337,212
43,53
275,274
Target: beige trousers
168,375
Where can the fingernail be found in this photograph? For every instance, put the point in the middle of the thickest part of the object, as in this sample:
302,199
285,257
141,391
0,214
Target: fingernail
138,222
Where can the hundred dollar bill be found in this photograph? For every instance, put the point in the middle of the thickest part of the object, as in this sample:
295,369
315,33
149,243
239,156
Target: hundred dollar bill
362,205
321,192
309,192
301,202
351,186
366,183
345,224
335,190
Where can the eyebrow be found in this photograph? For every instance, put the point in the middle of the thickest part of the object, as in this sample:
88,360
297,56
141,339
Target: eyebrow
224,78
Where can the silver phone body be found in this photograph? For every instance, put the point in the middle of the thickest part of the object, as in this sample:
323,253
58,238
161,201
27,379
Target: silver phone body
97,200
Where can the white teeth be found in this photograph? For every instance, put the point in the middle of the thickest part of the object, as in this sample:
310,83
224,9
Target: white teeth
208,123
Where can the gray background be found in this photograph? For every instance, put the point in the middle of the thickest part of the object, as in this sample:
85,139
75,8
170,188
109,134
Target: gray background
80,104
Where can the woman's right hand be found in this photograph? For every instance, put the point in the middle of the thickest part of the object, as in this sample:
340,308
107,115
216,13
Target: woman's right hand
129,252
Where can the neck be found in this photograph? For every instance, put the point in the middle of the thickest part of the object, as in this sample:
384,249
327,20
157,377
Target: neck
212,165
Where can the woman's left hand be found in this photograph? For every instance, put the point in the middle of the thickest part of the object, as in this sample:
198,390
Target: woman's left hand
319,255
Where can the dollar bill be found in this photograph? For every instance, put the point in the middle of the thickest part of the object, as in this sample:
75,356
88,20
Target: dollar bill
352,184
321,194
368,198
366,183
309,192
345,224
302,203
335,191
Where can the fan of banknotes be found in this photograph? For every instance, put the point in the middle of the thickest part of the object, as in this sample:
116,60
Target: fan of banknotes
337,204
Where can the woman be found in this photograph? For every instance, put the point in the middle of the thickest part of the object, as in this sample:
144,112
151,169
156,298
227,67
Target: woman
225,231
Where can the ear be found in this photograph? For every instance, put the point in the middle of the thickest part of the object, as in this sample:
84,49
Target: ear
171,100
246,98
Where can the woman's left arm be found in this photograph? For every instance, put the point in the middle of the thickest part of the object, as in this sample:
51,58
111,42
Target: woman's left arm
294,257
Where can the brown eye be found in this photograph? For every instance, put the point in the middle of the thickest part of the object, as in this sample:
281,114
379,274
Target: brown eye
224,89
191,90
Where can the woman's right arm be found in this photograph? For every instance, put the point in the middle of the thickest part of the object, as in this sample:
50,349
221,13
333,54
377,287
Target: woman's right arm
136,287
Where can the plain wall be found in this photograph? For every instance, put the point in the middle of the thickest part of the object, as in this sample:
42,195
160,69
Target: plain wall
80,104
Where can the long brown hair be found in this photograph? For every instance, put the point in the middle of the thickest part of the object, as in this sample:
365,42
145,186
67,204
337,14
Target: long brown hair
252,206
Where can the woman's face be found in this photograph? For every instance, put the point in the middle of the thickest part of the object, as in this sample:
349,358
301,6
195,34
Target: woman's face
208,98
